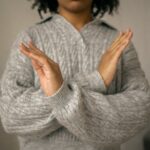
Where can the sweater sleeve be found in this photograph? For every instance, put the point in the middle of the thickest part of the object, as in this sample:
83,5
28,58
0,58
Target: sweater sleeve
91,80
23,109
103,119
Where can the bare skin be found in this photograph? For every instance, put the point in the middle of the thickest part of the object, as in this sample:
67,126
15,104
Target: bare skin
48,71
78,13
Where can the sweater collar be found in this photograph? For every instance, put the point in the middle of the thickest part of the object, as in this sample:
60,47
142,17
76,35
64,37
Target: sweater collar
62,22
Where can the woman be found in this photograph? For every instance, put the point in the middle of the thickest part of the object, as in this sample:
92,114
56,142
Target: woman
69,85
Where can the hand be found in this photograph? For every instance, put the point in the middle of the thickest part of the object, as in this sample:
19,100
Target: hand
108,63
48,71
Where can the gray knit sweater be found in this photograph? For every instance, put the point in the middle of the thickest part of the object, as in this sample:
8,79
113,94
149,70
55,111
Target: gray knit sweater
83,114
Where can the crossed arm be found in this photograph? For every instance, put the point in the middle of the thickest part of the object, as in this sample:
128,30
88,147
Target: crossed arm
90,115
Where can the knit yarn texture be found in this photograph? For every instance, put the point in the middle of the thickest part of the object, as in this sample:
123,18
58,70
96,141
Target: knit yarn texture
83,114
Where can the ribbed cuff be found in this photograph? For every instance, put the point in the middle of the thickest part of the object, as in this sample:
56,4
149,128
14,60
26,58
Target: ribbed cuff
60,97
96,81
91,80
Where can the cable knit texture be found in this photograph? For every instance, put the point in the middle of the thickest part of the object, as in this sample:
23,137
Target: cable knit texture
83,114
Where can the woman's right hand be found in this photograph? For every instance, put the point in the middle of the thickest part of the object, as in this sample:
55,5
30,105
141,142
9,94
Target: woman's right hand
108,63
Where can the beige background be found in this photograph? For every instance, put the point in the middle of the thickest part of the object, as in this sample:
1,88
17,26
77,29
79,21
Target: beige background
16,15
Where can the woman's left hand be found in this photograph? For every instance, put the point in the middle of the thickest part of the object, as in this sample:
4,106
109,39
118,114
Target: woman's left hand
48,71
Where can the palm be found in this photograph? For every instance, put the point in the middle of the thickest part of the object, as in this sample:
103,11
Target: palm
48,71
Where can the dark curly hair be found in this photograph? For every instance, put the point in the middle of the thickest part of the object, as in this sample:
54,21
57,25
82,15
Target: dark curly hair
101,6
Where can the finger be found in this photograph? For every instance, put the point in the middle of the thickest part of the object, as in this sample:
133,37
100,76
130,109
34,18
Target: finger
33,47
126,37
124,34
35,64
127,40
122,39
37,67
42,59
121,48
30,44
117,39
24,49
29,52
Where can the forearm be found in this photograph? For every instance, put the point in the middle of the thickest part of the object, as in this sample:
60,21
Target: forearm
91,80
23,109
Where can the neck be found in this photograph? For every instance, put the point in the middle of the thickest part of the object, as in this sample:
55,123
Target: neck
78,20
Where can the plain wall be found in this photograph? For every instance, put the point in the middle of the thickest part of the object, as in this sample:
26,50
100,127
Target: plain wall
17,15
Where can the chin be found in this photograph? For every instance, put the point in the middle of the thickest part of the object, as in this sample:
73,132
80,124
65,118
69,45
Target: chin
76,6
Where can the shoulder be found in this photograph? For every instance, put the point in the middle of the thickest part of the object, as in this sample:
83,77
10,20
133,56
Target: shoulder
108,26
48,19
40,26
37,30
108,31
112,33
